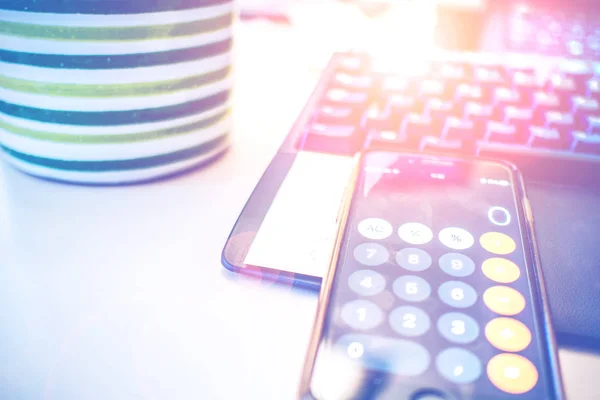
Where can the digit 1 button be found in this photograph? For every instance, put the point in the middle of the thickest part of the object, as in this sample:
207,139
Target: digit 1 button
366,282
456,238
375,228
456,264
371,254
508,334
512,373
415,233
497,243
500,270
504,300
362,314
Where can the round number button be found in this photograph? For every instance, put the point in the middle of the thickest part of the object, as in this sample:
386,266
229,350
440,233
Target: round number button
456,238
412,288
409,321
497,243
508,334
457,294
362,314
458,365
504,300
413,259
512,373
501,270
371,254
456,264
458,327
375,228
415,233
366,282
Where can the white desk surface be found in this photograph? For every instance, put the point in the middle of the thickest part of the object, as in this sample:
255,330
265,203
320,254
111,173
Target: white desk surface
119,293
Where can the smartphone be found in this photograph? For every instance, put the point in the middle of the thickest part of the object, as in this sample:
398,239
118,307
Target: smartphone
434,289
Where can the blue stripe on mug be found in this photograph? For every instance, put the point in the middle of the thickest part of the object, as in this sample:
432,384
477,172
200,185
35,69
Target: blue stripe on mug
109,118
116,61
120,165
105,6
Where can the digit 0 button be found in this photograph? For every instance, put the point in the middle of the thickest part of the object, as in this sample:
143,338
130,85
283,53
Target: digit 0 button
497,243
508,334
415,233
375,228
456,238
512,373
504,300
501,270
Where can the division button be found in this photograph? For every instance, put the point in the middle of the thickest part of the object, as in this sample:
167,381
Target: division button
497,243
512,373
504,300
366,282
458,365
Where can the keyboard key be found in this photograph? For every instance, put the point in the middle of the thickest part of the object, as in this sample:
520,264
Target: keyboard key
467,92
518,116
544,102
488,77
548,138
376,118
386,136
578,70
434,144
353,81
458,129
526,84
562,122
562,86
334,115
502,133
344,97
438,109
432,88
453,72
400,104
593,124
593,88
417,125
336,139
583,107
586,143
396,84
351,64
480,114
507,97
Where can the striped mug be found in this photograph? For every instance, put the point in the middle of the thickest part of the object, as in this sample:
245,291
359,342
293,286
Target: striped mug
114,91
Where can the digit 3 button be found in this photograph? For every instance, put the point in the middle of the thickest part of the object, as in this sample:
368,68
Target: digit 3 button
500,270
504,300
497,243
375,228
456,238
458,327
508,334
415,233
512,373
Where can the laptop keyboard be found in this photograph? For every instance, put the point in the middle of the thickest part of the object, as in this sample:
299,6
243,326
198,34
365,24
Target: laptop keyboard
466,107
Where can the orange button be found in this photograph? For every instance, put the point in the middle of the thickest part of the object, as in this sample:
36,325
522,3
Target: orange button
508,334
500,270
497,243
512,373
504,300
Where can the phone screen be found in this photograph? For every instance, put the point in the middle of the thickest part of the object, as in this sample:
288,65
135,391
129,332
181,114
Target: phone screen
433,293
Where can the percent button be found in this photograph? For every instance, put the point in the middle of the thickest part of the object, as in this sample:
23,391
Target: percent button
456,238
